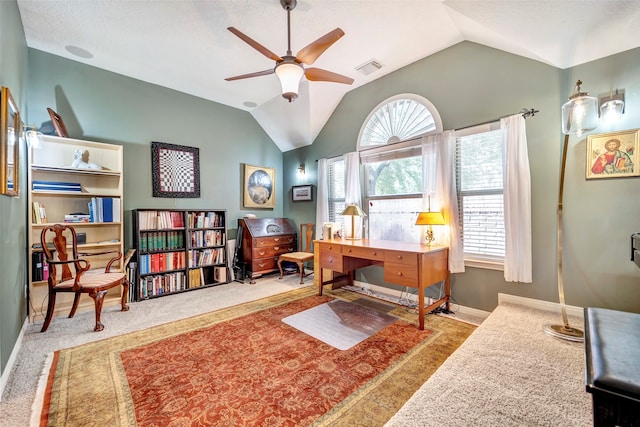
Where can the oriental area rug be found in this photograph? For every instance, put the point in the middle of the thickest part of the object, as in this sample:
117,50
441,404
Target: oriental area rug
243,366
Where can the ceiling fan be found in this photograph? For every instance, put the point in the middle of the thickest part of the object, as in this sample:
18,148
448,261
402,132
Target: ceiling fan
289,68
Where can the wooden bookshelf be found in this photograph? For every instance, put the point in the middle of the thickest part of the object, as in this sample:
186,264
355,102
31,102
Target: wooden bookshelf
52,163
179,250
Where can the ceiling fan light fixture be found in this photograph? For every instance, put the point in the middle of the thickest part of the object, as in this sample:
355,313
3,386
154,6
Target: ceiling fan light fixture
289,74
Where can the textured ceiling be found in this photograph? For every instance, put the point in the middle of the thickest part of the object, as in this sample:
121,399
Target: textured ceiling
184,44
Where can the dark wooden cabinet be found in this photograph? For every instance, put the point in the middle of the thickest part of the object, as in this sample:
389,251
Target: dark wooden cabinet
263,240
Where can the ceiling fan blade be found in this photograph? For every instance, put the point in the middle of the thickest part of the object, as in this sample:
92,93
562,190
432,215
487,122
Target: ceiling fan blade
256,74
254,44
309,54
320,75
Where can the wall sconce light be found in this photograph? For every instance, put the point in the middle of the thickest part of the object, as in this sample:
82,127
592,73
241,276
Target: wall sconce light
301,169
33,137
612,107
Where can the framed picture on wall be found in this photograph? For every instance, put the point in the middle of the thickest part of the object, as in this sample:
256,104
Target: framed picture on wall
259,189
11,127
613,155
175,170
302,193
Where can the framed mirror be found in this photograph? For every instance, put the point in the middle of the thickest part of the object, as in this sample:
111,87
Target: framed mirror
10,127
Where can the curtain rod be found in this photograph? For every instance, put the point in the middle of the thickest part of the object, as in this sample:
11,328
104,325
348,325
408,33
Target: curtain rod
526,112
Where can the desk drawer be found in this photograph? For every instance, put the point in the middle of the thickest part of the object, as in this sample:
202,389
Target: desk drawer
408,259
365,253
332,261
271,251
401,274
330,247
285,239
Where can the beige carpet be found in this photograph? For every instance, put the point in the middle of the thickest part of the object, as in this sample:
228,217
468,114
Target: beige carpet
507,373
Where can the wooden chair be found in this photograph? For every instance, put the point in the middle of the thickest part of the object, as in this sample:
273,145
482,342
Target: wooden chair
301,256
72,277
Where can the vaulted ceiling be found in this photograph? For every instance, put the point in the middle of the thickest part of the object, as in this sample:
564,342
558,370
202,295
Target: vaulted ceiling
185,45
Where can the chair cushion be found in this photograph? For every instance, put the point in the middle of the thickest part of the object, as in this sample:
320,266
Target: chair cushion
92,281
298,256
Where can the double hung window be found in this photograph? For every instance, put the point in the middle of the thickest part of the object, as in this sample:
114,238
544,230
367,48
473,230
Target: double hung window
479,183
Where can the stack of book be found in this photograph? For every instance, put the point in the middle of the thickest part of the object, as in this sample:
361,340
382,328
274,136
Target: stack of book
77,218
57,186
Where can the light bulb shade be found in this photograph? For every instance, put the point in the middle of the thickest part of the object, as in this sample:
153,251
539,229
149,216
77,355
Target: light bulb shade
430,218
353,210
579,113
289,74
611,111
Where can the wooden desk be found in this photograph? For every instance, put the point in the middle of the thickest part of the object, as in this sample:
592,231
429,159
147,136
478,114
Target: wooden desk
407,264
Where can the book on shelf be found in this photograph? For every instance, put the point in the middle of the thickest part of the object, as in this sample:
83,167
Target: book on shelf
205,220
39,213
220,274
107,209
56,186
159,220
36,266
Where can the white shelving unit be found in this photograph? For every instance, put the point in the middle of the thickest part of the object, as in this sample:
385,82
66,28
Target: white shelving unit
52,162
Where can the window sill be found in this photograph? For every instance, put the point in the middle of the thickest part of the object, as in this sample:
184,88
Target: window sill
484,263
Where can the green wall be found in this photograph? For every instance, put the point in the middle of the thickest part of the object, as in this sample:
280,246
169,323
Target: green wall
103,106
470,83
13,266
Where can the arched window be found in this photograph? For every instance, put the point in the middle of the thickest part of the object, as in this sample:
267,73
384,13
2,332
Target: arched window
390,151
399,118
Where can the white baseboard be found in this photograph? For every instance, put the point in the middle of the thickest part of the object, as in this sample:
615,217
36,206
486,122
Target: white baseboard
474,312
572,310
12,358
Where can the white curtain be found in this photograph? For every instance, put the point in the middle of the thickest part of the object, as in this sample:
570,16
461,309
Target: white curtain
439,181
517,200
352,194
322,208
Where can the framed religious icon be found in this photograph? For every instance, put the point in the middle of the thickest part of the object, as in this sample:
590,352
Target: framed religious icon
175,170
11,127
259,188
613,155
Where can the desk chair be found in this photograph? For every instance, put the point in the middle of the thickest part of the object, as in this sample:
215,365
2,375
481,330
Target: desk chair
301,256
72,277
